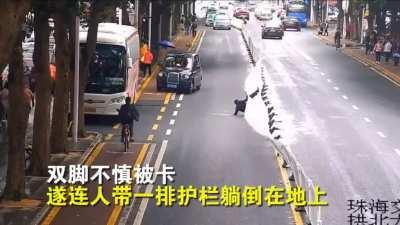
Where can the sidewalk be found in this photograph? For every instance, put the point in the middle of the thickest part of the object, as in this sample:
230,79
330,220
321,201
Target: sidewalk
107,152
357,51
24,211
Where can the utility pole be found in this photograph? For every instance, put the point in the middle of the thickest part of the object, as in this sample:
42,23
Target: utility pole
120,16
150,19
76,83
312,12
137,13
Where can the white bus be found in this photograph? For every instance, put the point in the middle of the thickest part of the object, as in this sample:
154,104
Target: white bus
113,72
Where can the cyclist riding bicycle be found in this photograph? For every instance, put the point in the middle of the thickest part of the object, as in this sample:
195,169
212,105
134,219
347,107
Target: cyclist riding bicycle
127,114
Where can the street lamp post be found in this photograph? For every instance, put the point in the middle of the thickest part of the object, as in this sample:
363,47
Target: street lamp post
76,84
150,15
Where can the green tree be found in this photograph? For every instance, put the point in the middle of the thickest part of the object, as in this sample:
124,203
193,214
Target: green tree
99,10
41,124
12,15
17,123
64,19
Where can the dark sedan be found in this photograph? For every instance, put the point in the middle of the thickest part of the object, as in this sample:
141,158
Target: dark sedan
291,23
272,31
180,71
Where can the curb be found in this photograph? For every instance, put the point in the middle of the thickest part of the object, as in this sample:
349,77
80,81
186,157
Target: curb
391,76
40,216
196,40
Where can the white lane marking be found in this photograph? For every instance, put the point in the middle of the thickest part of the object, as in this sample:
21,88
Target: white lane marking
355,107
382,135
200,42
178,105
168,132
175,113
329,80
171,122
305,56
367,120
173,96
322,74
181,97
336,88
345,97
128,210
149,189
397,151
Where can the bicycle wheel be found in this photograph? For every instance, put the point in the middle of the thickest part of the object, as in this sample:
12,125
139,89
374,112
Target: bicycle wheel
126,143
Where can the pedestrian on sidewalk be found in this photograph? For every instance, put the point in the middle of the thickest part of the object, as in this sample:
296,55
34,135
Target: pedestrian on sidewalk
387,50
396,52
194,25
194,29
4,102
147,61
367,44
321,28
187,25
29,97
378,48
326,27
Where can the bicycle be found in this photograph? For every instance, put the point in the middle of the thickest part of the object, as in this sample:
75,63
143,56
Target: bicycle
126,136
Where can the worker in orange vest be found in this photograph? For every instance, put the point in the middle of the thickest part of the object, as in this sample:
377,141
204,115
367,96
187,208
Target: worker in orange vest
147,60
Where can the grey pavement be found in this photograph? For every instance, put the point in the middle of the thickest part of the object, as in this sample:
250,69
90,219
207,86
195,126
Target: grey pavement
210,146
341,119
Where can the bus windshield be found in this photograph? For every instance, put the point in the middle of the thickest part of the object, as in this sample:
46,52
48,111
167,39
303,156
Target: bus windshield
107,71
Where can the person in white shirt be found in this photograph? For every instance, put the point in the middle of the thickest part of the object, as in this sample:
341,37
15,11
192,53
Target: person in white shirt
387,50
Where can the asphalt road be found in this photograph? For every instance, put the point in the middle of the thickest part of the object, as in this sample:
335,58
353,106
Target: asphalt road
210,146
339,118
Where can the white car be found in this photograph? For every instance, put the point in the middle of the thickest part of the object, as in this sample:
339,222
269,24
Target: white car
222,22
263,14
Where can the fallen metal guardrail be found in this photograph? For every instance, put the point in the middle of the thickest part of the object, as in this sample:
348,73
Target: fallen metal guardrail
297,175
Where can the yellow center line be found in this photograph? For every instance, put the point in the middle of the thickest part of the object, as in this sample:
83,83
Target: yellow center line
145,84
89,161
285,177
113,219
50,217
159,117
167,98
155,127
163,109
95,153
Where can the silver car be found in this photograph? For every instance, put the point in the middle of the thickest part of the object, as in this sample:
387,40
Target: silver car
222,22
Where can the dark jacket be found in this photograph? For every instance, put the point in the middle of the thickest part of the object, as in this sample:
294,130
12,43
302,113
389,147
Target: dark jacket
128,113
241,104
